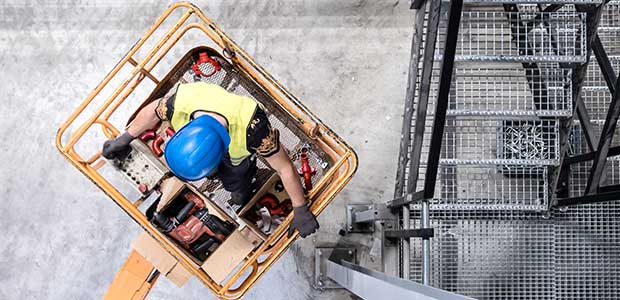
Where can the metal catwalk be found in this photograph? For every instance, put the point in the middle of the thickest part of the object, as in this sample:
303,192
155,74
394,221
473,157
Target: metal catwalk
519,151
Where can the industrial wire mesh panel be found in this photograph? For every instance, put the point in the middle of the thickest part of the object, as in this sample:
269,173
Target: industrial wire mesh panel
511,92
499,142
501,187
594,78
579,172
520,37
609,28
487,257
579,175
587,242
572,254
597,102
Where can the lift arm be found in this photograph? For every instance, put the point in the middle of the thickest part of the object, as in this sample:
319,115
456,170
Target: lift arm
134,281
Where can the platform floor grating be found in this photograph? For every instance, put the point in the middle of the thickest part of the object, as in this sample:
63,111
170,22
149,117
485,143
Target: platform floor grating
572,254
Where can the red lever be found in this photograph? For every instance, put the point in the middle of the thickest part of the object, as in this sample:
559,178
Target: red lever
306,170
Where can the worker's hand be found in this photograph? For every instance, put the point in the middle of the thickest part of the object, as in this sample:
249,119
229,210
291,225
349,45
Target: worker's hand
118,147
304,221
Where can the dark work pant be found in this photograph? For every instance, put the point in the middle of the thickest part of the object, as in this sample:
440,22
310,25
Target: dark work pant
237,179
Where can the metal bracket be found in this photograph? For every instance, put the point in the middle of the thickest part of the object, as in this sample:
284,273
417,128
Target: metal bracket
321,257
424,233
361,217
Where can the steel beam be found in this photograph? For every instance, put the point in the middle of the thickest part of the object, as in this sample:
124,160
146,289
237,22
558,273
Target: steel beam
607,134
402,256
439,123
603,61
593,16
416,146
424,94
406,199
613,151
609,188
405,138
443,97
372,285
585,121
409,233
588,199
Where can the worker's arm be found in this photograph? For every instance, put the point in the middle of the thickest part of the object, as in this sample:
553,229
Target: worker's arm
282,164
145,119
303,219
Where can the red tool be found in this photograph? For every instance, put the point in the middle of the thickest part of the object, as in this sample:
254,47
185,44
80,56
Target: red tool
191,222
158,140
202,59
196,225
274,206
306,170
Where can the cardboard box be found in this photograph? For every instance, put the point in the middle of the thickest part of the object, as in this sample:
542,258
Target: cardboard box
179,275
230,253
169,189
163,261
267,188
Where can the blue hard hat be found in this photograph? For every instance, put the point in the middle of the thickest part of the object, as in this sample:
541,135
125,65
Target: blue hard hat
196,150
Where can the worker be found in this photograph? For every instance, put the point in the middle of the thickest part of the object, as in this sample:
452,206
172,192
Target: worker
217,131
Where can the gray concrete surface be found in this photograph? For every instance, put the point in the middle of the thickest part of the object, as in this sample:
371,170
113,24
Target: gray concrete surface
62,238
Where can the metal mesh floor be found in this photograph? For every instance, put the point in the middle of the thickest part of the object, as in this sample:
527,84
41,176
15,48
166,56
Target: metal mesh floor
572,254
495,237
492,188
506,91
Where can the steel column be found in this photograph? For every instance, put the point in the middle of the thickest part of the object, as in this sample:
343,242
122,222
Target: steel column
426,244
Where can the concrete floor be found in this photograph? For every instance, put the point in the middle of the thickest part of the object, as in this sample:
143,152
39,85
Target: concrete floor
62,238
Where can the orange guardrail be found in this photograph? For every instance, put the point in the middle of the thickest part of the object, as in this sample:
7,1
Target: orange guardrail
261,259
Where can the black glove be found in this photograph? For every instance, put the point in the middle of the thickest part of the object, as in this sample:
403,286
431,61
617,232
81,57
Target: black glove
304,221
118,147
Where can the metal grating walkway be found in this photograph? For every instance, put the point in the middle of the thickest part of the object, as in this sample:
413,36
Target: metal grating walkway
495,236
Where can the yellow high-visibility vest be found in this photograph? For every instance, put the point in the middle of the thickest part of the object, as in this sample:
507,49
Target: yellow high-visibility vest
237,110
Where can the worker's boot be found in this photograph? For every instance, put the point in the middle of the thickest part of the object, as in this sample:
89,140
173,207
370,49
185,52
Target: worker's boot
239,199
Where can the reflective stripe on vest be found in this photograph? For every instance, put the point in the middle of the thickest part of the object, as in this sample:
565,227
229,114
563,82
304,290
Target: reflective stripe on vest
238,111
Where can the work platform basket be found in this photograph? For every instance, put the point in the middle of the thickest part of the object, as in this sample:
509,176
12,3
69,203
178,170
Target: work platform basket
159,60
